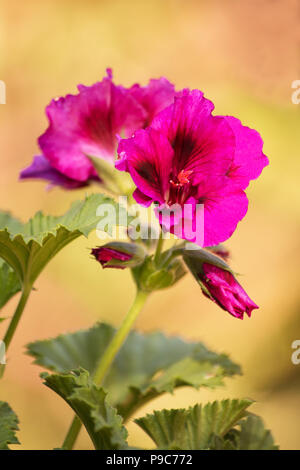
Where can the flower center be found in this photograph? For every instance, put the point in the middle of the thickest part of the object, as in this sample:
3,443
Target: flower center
180,187
182,178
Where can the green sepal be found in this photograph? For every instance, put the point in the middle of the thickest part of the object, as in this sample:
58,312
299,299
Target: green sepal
111,178
149,277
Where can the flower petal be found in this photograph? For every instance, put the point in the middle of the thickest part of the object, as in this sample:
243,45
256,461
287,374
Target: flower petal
141,198
157,95
148,156
249,159
202,143
222,212
40,168
226,291
87,124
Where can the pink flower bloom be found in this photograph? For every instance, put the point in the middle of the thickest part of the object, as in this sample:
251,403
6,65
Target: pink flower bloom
224,289
87,124
189,157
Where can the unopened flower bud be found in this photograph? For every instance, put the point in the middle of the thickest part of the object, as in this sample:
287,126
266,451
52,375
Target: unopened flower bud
218,283
119,255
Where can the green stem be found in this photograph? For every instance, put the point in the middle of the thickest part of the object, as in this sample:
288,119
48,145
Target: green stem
107,359
16,317
15,321
159,248
120,337
72,434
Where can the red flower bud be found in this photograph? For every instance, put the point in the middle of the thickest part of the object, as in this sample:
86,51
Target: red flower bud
119,255
224,289
218,283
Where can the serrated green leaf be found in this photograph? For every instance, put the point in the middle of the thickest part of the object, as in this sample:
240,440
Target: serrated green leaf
147,364
254,435
28,247
190,372
12,224
194,428
89,402
167,428
9,283
8,426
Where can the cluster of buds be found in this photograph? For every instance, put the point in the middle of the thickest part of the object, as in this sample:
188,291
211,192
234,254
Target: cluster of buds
209,268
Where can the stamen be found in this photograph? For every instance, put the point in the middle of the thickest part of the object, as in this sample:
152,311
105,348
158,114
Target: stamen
182,177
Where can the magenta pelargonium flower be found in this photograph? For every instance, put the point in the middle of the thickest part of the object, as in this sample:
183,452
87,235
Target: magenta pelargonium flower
224,289
188,158
88,124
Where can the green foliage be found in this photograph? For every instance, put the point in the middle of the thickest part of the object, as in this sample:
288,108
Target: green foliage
221,425
254,436
8,426
90,404
146,366
195,427
28,247
9,283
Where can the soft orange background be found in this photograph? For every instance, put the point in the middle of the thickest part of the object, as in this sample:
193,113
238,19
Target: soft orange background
244,56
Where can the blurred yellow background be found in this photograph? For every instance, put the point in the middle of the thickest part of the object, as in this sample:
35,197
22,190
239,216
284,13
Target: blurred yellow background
244,55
